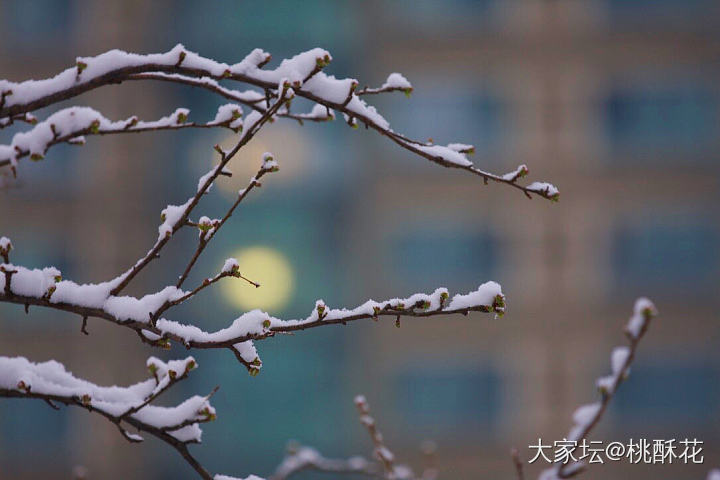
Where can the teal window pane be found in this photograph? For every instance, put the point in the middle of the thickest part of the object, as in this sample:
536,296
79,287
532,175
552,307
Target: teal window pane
675,119
33,437
666,257
458,260
448,401
669,394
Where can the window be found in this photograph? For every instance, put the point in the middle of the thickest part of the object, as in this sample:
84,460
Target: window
451,400
33,436
453,257
227,30
675,11
446,17
675,119
680,257
303,396
674,393
41,23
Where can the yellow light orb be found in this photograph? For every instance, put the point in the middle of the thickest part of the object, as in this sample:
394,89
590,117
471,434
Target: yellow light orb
266,266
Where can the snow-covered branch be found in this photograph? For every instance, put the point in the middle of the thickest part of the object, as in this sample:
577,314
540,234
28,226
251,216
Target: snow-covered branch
131,406
587,416
47,289
302,72
269,96
391,471
300,458
71,125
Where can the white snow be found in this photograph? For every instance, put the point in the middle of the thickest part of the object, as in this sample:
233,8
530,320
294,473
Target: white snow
318,112
226,477
269,162
520,171
396,80
170,216
52,379
638,319
586,413
548,189
248,352
140,309
446,154
230,265
618,358
70,122
257,322
606,384
484,295
363,110
230,112
330,88
30,283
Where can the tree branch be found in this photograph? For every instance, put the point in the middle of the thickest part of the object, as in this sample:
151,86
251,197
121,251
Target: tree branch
301,458
168,229
587,417
302,71
177,426
256,325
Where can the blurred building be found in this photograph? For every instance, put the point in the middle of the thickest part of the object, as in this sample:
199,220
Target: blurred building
617,102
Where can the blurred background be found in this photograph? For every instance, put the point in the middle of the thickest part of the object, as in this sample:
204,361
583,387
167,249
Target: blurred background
617,102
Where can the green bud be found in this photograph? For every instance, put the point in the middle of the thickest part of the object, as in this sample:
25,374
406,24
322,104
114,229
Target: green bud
36,157
81,66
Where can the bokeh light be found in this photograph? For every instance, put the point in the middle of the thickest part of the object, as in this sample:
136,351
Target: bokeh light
271,269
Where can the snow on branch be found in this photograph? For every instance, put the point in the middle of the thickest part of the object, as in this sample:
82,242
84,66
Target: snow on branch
71,125
587,416
270,96
303,73
395,82
301,458
131,406
47,289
